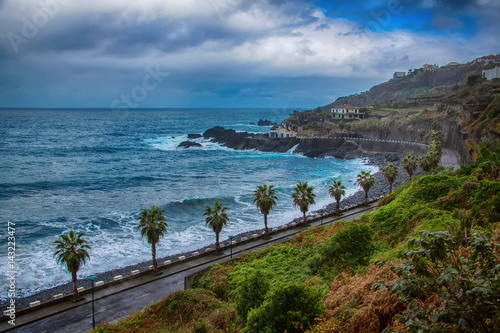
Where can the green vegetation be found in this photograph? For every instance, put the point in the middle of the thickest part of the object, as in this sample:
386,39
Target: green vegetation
303,196
216,219
71,251
265,198
366,180
390,173
152,225
337,190
425,260
409,163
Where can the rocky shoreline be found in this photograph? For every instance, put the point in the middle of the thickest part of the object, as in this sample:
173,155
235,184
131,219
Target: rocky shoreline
310,147
380,188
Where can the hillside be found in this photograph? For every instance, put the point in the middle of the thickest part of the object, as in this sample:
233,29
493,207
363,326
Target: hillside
361,276
417,83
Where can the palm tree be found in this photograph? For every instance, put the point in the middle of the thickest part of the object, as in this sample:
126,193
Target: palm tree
390,173
409,164
216,219
265,199
303,197
71,250
337,190
421,133
366,180
411,130
153,225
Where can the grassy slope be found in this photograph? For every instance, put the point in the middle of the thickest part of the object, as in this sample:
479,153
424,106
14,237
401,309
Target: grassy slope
428,83
426,203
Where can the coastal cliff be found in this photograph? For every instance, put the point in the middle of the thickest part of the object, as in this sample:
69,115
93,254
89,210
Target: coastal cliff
309,147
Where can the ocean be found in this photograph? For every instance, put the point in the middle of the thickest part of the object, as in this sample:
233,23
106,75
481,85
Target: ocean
93,170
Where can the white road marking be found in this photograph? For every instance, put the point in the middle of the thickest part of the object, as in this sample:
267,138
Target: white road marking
143,296
90,315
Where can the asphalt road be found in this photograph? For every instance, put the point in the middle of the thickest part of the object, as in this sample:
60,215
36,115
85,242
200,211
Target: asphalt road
120,304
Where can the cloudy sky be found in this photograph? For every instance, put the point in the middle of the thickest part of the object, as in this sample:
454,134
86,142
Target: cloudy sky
227,53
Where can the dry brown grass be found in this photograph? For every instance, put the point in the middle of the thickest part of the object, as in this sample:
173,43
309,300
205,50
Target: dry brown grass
352,306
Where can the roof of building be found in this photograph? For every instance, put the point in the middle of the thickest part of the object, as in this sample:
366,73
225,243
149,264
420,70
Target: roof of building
345,106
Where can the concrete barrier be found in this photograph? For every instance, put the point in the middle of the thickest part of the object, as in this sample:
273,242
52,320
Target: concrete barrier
80,289
208,249
118,278
194,254
255,236
35,303
135,272
167,262
182,257
151,267
99,283
243,239
57,296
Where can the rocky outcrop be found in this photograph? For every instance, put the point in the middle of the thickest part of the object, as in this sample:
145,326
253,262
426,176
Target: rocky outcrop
314,148
194,136
247,141
188,144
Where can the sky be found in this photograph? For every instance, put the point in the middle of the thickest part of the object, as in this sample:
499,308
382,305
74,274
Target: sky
124,54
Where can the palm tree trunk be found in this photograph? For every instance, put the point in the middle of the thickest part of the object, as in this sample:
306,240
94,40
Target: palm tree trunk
75,287
217,246
366,198
390,188
338,207
266,231
153,251
304,221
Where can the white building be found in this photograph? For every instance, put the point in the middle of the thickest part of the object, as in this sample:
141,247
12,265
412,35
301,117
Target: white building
281,132
491,74
347,111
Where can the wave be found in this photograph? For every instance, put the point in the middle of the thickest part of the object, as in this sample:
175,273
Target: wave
171,143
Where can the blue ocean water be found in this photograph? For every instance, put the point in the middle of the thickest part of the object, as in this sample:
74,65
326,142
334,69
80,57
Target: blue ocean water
93,170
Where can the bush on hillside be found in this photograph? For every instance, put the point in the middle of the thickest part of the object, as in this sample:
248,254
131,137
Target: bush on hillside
448,288
289,308
349,248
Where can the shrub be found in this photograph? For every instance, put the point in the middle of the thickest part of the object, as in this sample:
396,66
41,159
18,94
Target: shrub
448,288
290,308
349,248
250,291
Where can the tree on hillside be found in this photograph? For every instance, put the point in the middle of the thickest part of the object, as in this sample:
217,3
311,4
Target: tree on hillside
385,128
302,197
366,180
409,164
71,251
341,126
337,190
390,173
411,130
216,219
265,198
421,133
152,225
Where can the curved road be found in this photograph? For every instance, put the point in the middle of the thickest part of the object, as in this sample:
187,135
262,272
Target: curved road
118,304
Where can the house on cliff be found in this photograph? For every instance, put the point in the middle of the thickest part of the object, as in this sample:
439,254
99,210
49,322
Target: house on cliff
347,111
492,73
281,132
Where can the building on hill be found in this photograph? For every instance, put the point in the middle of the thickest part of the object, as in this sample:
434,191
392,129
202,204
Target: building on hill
486,60
428,67
492,73
347,111
491,59
453,64
398,75
281,132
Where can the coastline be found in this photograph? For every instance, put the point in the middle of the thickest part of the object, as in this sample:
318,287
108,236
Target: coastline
379,189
